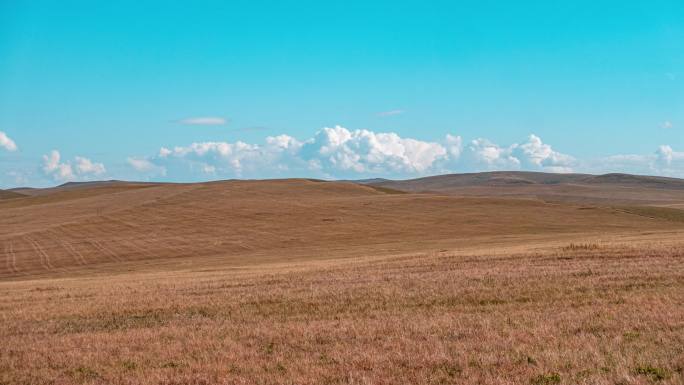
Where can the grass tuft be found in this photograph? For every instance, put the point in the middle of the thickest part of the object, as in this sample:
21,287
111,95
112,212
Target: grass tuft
581,246
546,379
654,373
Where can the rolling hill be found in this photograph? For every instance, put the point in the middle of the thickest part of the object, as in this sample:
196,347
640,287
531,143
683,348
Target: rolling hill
310,282
609,189
102,227
6,194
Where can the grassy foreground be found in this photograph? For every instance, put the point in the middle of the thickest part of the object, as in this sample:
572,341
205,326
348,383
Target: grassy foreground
575,314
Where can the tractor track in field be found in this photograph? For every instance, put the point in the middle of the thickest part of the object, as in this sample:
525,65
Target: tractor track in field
11,258
80,259
106,251
42,254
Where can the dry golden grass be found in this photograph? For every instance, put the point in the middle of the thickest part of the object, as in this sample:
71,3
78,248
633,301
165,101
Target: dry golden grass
605,314
301,282
131,227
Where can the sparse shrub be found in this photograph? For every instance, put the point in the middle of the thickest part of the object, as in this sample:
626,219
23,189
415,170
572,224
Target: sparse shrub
631,336
451,370
491,302
654,373
581,246
129,365
546,379
170,365
84,373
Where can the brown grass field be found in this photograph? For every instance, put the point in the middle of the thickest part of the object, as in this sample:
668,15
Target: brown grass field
308,282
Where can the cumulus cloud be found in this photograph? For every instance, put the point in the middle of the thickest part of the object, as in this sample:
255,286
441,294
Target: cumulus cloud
338,152
204,121
86,166
81,169
533,155
536,154
486,155
232,159
53,167
667,157
454,146
342,151
7,143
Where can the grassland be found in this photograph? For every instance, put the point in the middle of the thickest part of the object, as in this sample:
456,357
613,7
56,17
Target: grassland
577,314
345,285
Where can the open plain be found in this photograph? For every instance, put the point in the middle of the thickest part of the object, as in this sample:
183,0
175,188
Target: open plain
495,278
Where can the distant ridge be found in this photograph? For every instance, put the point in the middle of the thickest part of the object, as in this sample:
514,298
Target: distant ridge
626,179
6,194
371,181
614,188
526,177
495,183
94,183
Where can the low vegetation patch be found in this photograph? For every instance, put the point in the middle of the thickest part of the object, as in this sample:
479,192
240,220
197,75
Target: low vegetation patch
667,213
652,372
546,379
581,246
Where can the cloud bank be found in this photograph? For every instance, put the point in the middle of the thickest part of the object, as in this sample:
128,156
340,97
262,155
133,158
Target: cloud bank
338,152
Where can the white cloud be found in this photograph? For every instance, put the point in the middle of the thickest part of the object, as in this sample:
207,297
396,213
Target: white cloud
145,166
667,124
53,167
454,145
668,157
341,151
536,154
664,161
232,159
485,155
337,152
332,152
390,113
204,121
532,155
83,169
7,143
86,166
164,152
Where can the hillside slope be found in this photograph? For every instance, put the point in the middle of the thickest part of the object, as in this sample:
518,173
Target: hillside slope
130,226
5,194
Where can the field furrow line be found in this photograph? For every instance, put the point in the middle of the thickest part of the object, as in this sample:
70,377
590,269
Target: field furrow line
14,257
74,253
10,259
44,257
106,250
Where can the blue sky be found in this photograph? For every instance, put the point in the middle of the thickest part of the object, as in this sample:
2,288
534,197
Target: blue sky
180,91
